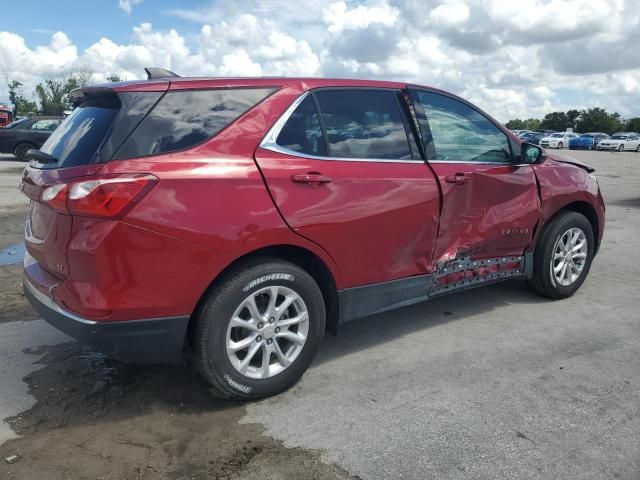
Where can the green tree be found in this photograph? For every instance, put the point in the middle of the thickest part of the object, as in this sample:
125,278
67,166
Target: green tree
114,77
528,124
599,120
53,93
633,125
21,105
572,118
558,121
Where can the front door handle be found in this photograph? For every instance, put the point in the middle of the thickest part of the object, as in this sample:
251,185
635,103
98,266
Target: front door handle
459,179
311,178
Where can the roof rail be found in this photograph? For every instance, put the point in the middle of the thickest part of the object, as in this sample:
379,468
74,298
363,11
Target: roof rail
155,73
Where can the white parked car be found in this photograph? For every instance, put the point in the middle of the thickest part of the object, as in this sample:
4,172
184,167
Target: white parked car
620,142
558,140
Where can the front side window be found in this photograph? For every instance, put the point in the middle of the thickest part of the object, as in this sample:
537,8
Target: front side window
184,118
363,124
302,132
460,133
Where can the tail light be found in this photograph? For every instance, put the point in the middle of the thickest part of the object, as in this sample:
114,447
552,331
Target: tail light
110,197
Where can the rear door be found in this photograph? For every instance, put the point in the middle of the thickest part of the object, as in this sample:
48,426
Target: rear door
345,173
490,203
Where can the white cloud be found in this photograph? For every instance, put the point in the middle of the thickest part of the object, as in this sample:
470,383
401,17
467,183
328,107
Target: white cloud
127,5
522,58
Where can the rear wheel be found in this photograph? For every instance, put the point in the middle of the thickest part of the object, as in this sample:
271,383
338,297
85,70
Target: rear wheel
259,329
21,151
563,256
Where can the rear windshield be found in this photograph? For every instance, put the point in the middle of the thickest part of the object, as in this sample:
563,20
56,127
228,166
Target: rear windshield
77,140
136,124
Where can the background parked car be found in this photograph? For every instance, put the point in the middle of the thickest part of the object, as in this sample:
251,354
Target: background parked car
558,140
533,137
621,141
18,137
6,115
587,141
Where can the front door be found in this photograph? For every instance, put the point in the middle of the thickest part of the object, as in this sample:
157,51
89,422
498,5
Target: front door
490,203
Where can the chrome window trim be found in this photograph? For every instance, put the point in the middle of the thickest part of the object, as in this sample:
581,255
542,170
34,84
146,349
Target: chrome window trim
269,141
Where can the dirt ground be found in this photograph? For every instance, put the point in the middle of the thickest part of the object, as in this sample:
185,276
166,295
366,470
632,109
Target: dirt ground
13,305
98,419
114,422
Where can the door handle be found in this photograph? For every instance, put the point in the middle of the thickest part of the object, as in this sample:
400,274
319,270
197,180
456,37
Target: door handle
459,179
311,178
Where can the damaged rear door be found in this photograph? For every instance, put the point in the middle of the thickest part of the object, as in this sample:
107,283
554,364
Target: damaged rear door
490,203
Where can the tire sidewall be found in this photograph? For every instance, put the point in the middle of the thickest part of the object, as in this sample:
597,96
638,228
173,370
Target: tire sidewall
219,316
19,147
559,227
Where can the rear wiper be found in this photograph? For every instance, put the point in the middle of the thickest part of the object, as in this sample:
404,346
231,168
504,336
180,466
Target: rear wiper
38,156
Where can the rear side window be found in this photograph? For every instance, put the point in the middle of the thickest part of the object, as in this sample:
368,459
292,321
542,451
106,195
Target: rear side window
302,132
363,124
184,118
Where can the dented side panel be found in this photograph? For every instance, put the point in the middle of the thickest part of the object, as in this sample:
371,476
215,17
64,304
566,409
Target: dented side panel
493,213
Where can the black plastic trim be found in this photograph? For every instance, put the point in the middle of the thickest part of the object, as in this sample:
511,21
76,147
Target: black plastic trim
156,340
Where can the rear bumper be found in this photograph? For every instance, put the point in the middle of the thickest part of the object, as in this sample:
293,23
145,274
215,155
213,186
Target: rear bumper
156,340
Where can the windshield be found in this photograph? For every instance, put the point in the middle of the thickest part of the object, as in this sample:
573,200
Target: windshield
587,135
557,135
619,137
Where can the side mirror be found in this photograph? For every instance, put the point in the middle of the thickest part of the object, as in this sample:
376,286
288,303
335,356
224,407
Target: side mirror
530,153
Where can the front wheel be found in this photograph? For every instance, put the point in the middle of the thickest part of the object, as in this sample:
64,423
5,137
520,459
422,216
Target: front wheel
620,148
560,145
563,256
259,329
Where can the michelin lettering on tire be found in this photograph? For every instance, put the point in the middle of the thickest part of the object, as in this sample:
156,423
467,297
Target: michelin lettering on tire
267,278
238,386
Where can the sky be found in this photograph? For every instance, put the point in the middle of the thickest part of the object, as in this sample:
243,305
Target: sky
515,59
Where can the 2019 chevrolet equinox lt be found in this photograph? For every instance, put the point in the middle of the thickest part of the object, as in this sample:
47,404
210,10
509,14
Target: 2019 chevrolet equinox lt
235,220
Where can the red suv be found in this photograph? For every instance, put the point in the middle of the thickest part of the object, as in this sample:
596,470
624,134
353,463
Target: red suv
233,221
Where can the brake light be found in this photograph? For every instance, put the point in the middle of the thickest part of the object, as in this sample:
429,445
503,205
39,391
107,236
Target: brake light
100,197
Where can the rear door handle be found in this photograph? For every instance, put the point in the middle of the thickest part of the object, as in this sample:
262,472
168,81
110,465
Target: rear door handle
311,178
458,179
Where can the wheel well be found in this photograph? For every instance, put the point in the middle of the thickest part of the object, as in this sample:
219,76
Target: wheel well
304,259
588,211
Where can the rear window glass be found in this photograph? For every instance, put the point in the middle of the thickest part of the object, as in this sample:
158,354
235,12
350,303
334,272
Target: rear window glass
77,140
363,124
182,119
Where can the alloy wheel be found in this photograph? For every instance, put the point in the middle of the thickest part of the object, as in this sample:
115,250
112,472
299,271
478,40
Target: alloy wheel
569,257
267,332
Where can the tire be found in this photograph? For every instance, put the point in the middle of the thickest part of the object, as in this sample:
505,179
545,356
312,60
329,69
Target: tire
543,281
638,148
560,146
20,151
620,148
214,334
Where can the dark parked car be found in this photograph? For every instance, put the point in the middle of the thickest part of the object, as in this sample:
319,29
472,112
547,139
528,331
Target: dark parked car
22,135
196,216
533,137
587,141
